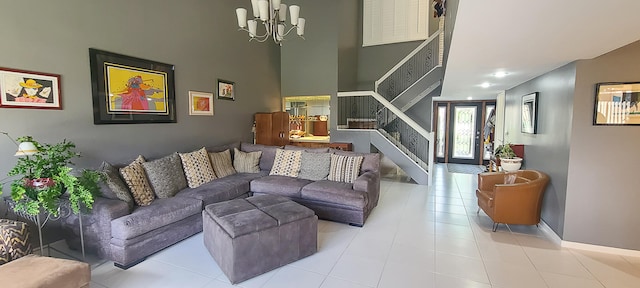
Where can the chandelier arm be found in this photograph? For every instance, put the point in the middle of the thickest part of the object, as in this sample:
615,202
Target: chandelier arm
289,31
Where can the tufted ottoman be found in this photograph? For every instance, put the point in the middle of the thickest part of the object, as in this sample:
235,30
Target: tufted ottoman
248,237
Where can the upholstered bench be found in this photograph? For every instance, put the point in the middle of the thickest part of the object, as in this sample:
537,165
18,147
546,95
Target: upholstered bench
251,236
34,271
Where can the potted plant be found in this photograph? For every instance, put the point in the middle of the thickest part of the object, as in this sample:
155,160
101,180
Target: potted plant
507,159
43,177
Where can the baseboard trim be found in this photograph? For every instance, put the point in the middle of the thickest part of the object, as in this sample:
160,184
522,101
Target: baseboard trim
601,249
546,229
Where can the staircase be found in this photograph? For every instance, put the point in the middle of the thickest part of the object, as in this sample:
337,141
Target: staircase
380,114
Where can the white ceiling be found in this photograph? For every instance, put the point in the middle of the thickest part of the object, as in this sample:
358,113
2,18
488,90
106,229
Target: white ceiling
527,38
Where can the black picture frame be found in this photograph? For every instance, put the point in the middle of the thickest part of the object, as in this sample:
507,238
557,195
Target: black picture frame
130,90
616,104
529,114
226,90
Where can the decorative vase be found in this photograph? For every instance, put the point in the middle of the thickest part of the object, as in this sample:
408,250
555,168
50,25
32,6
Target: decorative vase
510,164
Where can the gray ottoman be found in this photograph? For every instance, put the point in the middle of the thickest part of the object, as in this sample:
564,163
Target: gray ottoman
248,237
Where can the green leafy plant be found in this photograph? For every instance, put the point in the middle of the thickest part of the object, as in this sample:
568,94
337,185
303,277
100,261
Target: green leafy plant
505,151
45,176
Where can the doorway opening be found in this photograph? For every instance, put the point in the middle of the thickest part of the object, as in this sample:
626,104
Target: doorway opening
459,131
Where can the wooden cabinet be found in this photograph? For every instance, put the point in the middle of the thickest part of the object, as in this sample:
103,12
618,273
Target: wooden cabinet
272,128
320,128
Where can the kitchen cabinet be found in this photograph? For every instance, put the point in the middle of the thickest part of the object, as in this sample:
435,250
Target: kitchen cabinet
272,128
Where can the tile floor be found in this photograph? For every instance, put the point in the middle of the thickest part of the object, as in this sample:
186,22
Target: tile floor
418,236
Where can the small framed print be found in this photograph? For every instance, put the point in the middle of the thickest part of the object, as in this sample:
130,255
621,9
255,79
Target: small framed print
28,89
200,103
226,90
529,113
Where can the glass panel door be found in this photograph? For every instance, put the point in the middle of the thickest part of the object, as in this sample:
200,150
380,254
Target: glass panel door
441,131
464,133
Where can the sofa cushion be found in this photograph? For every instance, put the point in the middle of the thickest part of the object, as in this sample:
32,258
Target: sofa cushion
135,177
247,162
279,185
268,154
165,175
315,166
117,189
370,162
197,167
161,212
221,162
334,192
221,189
344,168
286,163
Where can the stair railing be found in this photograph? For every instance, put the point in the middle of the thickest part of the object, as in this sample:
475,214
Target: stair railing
424,58
370,110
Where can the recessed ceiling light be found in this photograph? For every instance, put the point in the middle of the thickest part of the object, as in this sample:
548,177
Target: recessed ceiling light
500,74
485,85
469,98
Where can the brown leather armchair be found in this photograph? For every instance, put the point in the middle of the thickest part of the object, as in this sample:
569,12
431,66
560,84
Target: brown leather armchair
517,203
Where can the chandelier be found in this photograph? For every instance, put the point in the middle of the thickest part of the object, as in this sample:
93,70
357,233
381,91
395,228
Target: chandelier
273,15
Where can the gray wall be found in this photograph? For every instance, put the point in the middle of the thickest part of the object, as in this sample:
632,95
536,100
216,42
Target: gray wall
310,67
602,190
199,37
548,150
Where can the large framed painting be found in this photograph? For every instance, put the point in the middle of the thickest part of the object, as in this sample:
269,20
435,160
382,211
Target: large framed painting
130,90
29,89
529,112
617,104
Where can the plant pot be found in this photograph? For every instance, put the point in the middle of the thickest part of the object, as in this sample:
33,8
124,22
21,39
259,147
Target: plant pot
510,164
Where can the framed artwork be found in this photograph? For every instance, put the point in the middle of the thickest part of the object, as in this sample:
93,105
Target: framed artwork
226,90
129,90
617,104
200,103
28,89
529,113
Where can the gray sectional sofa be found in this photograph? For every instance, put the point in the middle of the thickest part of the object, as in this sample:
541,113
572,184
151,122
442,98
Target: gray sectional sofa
127,235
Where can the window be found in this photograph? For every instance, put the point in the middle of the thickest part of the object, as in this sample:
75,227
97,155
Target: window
393,21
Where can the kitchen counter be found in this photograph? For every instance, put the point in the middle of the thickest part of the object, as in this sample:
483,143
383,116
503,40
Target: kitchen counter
311,139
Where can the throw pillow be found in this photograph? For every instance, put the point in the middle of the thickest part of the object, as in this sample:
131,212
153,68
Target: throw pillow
267,157
344,168
246,162
315,166
222,164
197,167
165,175
116,188
286,163
134,176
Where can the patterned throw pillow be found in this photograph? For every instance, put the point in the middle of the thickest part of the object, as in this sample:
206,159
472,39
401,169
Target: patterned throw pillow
134,176
286,163
315,166
222,165
246,162
344,168
165,175
14,240
197,167
117,188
